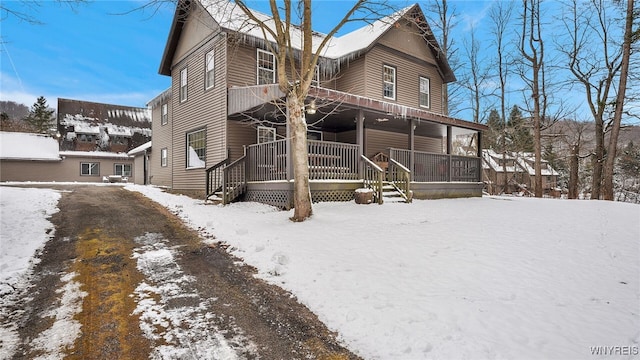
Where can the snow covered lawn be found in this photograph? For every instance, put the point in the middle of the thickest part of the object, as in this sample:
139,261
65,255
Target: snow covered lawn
460,278
445,279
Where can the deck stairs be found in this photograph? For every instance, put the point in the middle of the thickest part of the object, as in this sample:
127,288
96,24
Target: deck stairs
393,194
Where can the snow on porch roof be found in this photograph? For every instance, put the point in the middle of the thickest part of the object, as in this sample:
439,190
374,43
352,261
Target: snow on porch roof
28,146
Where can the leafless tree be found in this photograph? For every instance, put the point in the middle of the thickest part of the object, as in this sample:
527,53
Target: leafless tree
595,62
444,20
27,10
532,50
476,75
295,76
619,102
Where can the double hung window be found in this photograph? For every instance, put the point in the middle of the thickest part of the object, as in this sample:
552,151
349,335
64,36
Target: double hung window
424,92
266,67
183,85
209,72
389,82
89,169
196,148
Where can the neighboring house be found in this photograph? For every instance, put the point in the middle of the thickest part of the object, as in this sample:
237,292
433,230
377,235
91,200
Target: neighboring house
90,126
35,157
377,94
519,171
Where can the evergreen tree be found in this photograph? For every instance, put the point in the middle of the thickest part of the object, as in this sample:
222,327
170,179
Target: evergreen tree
520,138
629,162
40,116
493,137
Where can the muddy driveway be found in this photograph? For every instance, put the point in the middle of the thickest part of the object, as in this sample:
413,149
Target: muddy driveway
134,283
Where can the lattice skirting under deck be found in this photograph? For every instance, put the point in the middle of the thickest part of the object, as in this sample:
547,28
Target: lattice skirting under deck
284,198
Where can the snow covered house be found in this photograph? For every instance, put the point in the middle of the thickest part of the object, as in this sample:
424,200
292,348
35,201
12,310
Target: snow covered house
91,126
378,93
518,168
36,157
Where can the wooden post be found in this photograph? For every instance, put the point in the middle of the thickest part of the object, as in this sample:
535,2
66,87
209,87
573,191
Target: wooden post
449,135
412,144
360,140
288,163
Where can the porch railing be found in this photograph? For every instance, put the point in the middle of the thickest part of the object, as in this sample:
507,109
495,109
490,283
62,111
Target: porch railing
234,182
433,167
373,177
400,177
327,160
214,176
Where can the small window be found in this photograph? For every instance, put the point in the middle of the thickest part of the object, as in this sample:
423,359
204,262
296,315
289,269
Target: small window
209,70
164,154
164,114
389,82
123,169
424,92
196,148
89,169
266,134
183,85
314,135
266,67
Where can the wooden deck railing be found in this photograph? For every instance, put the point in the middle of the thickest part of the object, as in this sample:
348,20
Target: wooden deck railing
214,177
433,167
327,160
400,177
373,177
234,181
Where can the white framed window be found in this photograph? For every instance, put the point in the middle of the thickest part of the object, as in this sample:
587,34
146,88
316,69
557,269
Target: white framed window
266,134
89,169
425,101
164,114
164,157
266,64
196,148
123,169
315,81
209,72
183,85
389,82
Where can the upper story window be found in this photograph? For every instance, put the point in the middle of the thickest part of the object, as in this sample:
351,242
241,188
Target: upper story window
389,82
164,114
266,67
266,134
183,85
196,148
425,101
209,70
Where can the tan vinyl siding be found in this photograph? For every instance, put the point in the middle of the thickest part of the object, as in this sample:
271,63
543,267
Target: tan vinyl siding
408,40
351,78
239,134
408,72
67,170
160,175
204,109
348,137
241,69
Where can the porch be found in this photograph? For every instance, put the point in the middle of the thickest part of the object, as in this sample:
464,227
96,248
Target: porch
264,174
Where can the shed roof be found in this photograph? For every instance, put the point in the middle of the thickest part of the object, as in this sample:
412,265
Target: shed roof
28,146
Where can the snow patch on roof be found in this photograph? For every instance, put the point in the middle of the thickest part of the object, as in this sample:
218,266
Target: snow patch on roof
88,125
96,154
27,146
139,149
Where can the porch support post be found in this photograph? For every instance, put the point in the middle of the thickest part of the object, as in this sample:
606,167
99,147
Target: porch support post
479,156
449,135
412,144
287,146
360,139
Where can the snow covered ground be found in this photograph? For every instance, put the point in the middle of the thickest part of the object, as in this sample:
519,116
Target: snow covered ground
481,278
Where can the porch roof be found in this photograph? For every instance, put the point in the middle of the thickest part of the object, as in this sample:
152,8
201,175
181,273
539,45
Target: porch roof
262,101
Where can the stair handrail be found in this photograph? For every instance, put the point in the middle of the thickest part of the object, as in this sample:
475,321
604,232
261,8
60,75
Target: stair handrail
213,178
234,180
373,177
400,177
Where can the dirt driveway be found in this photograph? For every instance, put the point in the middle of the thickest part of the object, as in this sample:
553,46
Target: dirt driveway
151,289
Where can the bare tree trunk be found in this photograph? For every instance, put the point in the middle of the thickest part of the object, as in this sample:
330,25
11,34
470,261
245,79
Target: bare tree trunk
573,173
617,116
598,158
299,158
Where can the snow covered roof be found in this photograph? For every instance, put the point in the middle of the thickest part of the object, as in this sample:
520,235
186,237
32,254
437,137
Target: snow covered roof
140,149
524,163
231,17
27,146
95,154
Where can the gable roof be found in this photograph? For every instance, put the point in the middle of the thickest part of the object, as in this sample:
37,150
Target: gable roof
340,48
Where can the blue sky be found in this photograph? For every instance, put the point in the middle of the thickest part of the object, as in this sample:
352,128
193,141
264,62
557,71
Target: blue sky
90,53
